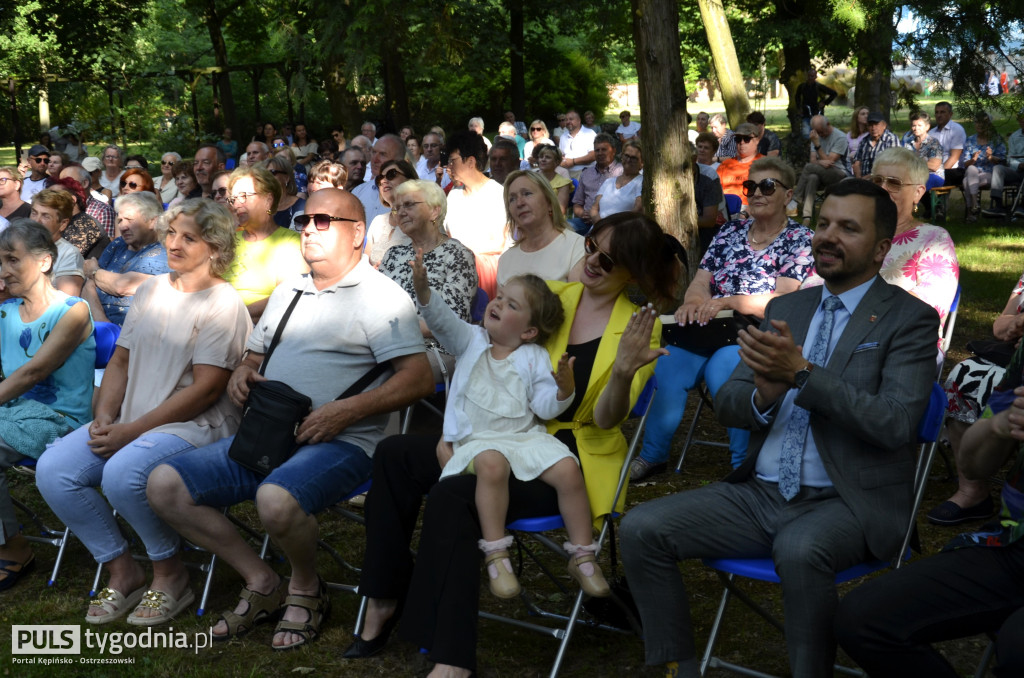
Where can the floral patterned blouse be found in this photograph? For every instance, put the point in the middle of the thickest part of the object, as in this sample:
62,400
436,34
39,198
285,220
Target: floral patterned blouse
972,146
737,268
451,270
930,148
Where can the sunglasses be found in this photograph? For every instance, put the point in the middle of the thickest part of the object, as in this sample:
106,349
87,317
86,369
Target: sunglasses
167,163
603,259
891,184
275,172
220,192
130,184
389,175
279,144
536,129
321,221
42,158
743,138
767,186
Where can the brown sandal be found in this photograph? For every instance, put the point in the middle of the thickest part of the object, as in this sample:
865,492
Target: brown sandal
318,608
263,607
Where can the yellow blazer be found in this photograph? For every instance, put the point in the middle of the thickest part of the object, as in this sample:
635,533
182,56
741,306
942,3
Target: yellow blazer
601,451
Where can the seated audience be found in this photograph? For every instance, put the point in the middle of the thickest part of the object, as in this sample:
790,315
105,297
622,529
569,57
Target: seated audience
749,263
858,131
327,174
384,232
48,372
821,416
265,254
504,157
365,319
84,232
926,147
291,204
974,585
591,180
185,180
1009,174
706,147
732,172
621,193
768,142
538,136
53,209
549,160
826,166
614,344
626,129
726,144
135,179
12,207
542,243
133,258
879,139
163,394
982,152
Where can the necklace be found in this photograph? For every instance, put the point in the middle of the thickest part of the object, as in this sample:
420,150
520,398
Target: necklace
774,234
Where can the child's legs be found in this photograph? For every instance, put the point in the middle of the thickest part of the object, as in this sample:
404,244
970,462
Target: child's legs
492,471
567,479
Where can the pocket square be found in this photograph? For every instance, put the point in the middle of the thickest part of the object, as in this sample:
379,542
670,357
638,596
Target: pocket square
866,347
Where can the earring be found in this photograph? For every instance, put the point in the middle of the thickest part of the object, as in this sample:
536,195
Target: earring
269,212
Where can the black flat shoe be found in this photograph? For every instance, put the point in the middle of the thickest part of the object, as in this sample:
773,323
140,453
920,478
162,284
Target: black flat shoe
947,513
363,649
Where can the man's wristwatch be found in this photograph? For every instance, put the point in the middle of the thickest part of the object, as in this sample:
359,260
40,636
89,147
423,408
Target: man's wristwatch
800,378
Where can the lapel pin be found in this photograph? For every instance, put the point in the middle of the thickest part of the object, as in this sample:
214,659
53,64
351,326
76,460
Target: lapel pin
873,318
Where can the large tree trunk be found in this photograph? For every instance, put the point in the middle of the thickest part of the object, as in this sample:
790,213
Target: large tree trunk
341,98
668,193
214,24
727,66
874,60
398,107
517,71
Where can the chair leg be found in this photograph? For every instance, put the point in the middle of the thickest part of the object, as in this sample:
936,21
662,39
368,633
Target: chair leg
689,434
986,660
60,556
716,628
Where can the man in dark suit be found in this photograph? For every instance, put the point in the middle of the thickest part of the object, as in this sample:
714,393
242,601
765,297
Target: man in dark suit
850,363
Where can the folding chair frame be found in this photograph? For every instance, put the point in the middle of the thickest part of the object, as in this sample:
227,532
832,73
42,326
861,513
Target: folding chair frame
762,569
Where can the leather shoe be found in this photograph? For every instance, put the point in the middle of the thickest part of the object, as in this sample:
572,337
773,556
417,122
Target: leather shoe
640,468
947,513
363,649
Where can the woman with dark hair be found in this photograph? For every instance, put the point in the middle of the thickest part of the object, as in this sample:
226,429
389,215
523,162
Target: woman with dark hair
290,205
47,371
327,174
185,180
83,231
303,145
383,232
614,344
58,161
413,149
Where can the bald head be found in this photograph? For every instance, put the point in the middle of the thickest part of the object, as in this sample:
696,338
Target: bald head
389,147
335,250
79,174
819,123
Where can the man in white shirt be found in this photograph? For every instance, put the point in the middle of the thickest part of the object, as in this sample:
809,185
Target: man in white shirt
429,163
369,130
576,145
952,137
388,147
38,159
627,129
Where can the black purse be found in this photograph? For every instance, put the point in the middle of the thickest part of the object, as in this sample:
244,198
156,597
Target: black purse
274,411
706,339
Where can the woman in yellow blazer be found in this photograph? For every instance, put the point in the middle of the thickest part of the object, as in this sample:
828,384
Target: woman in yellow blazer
615,345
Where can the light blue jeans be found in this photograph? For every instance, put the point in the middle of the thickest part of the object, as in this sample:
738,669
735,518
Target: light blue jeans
68,475
678,373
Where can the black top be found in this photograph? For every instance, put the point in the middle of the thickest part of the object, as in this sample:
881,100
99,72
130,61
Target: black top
585,354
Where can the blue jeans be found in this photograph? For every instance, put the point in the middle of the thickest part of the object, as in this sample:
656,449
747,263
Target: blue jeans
68,475
677,374
317,476
579,225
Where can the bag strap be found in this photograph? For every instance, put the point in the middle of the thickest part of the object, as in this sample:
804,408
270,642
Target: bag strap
358,387
280,329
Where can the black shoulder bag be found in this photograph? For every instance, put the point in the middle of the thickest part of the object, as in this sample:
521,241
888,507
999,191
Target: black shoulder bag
274,411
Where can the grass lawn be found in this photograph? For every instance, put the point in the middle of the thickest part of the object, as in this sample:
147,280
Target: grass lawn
990,260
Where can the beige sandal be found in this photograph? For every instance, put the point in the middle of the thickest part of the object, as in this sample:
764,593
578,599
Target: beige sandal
166,605
263,607
318,607
115,604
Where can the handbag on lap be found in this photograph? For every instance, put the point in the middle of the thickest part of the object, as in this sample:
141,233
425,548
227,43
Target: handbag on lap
721,331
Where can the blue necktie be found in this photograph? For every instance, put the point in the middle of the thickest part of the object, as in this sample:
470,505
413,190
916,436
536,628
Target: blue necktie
796,430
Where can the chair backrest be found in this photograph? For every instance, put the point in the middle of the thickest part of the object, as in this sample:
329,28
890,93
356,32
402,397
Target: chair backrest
106,337
733,204
931,423
479,305
947,328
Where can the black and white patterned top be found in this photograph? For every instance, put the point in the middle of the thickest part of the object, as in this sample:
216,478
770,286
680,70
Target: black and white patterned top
451,270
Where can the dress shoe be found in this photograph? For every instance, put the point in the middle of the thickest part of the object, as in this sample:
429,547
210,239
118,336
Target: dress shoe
362,649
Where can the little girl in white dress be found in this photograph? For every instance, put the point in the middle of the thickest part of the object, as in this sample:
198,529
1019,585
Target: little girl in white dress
501,392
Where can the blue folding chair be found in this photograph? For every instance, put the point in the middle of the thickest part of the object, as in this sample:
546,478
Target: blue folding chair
763,569
536,526
733,205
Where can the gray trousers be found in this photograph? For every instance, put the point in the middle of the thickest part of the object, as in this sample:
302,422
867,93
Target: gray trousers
810,538
1001,176
8,519
812,178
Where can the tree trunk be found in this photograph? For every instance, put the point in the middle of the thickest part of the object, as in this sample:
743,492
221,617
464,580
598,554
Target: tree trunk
342,100
517,71
874,61
214,24
397,109
727,66
668,194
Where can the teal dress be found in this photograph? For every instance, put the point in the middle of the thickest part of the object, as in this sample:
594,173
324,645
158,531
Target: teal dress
57,404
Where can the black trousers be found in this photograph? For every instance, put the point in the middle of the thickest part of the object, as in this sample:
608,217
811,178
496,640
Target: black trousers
441,589
888,624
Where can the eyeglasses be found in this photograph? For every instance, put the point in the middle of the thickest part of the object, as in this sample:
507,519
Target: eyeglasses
41,158
891,184
536,129
425,146
406,206
631,158
167,163
603,259
743,138
321,221
130,184
389,175
275,172
241,198
767,186
4,180
220,192
111,157
278,144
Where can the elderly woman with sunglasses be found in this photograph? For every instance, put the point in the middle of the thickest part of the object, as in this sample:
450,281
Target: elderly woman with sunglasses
136,179
749,262
384,233
265,253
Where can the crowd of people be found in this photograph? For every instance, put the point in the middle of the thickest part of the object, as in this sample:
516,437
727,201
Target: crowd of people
378,253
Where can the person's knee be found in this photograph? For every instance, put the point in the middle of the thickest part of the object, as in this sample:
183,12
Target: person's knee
853,616
166,490
641,528
490,466
797,551
53,474
279,511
